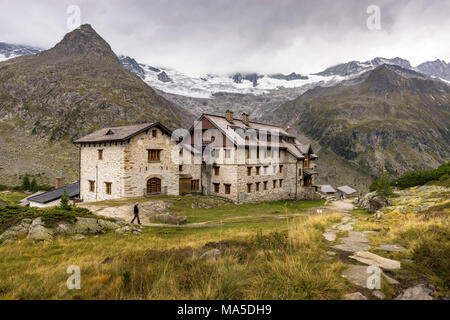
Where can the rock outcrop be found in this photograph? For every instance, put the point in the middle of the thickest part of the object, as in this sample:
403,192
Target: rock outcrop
373,202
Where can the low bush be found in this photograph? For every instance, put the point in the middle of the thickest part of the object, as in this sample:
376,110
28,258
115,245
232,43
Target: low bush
10,215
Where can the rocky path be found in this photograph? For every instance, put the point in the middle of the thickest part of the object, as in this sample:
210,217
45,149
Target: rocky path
352,247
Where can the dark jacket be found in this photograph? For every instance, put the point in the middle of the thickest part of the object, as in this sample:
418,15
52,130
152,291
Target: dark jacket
136,209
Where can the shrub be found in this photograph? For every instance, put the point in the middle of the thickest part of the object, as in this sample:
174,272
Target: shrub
65,201
26,183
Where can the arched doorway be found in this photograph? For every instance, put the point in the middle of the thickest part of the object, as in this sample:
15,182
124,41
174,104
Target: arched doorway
153,186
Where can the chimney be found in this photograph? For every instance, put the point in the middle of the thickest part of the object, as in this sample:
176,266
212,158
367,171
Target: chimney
59,181
229,116
245,118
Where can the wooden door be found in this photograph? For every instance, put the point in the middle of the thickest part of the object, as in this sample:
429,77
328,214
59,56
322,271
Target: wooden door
185,185
153,186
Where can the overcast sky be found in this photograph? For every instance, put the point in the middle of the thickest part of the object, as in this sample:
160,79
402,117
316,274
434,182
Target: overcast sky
225,36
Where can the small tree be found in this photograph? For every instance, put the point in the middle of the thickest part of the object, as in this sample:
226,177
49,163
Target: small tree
34,186
65,201
26,183
384,185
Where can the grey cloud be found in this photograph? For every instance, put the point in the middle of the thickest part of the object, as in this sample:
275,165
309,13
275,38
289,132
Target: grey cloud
223,36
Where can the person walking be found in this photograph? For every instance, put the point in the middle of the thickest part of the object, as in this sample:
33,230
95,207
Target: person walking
136,214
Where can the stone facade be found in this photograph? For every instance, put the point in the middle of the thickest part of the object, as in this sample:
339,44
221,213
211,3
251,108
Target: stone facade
117,163
126,166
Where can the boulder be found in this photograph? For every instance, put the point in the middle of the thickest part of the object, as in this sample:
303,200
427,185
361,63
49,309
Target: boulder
358,275
39,232
355,296
78,237
391,247
379,294
330,236
108,225
371,259
211,254
87,226
170,218
18,230
419,292
373,202
129,229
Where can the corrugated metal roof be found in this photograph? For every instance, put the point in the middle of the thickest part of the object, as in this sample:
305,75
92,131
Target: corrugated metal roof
73,190
347,189
120,133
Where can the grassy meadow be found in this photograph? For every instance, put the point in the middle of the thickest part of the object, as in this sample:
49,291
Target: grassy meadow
267,260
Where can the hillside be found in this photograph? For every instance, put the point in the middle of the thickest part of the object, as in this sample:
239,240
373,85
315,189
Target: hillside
389,115
52,97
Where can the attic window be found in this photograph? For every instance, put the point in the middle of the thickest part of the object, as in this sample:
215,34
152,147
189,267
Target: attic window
111,131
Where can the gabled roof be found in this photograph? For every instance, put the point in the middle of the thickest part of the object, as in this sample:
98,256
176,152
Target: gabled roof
229,130
24,202
73,190
120,134
327,188
347,189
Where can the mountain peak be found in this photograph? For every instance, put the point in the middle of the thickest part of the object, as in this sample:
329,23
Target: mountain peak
84,41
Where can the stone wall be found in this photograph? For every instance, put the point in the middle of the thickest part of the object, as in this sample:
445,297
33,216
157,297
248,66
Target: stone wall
110,169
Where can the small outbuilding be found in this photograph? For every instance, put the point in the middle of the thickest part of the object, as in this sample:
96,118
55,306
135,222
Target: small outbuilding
327,189
346,192
53,198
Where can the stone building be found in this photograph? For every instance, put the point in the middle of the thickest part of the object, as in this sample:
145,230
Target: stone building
252,161
239,159
131,161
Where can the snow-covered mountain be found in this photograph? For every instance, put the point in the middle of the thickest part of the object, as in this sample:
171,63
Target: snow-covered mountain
207,86
355,67
438,68
9,51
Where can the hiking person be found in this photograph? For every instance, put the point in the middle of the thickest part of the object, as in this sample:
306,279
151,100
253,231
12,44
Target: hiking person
136,213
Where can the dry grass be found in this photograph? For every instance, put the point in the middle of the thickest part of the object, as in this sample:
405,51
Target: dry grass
272,260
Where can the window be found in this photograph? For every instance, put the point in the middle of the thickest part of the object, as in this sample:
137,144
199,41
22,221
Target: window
216,187
227,188
257,186
108,187
257,170
195,185
181,152
281,183
274,184
249,171
249,187
299,172
216,171
265,185
180,168
154,133
100,154
154,155
265,169
91,186
281,169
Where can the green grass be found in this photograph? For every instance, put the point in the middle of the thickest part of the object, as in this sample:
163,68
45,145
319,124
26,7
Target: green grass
230,211
12,198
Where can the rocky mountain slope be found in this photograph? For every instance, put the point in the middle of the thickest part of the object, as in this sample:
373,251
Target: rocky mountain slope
437,69
49,98
388,116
